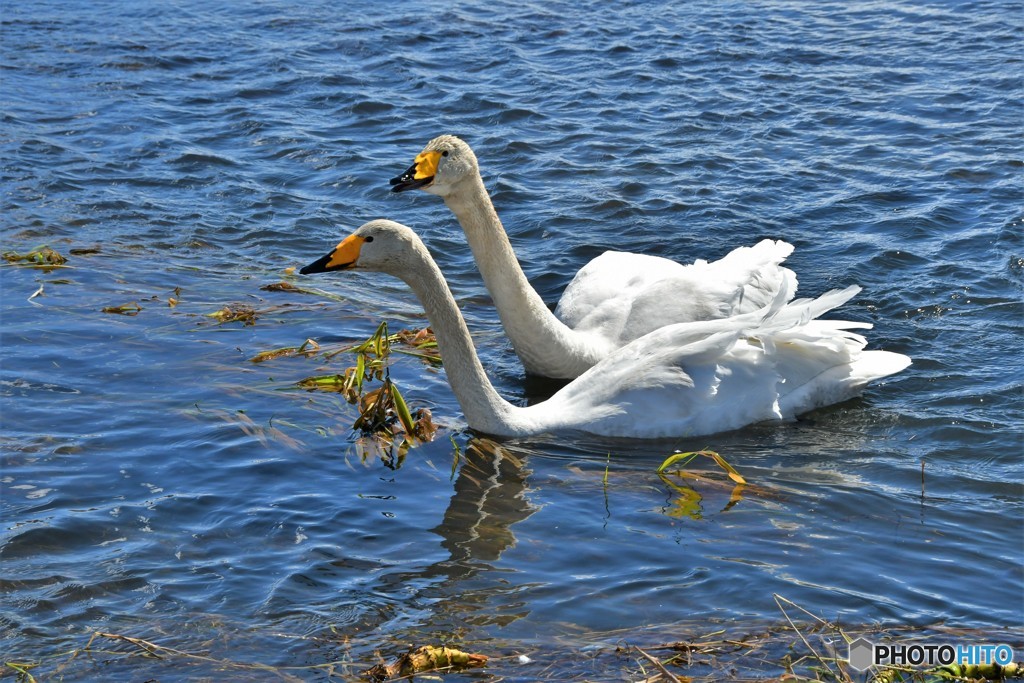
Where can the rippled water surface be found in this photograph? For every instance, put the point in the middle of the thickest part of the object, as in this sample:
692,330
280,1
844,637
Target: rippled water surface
156,483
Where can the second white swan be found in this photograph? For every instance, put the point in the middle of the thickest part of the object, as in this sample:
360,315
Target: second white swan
686,379
614,299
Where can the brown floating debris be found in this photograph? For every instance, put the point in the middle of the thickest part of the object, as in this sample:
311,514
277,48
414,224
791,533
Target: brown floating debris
40,257
381,408
423,341
281,287
298,289
125,309
242,313
308,348
424,429
424,659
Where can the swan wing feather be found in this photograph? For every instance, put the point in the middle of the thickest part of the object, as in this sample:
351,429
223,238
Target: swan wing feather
690,379
621,296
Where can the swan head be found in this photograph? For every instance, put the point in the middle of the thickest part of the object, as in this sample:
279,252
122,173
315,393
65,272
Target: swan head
380,245
439,168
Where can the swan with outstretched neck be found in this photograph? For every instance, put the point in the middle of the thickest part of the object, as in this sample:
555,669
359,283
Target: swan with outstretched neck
613,300
685,379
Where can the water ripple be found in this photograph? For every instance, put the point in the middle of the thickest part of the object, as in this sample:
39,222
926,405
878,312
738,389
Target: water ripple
153,475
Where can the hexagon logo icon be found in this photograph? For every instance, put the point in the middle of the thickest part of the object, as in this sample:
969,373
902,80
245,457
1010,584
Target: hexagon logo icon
862,653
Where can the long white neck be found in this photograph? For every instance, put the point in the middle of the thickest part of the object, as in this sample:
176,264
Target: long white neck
484,409
545,345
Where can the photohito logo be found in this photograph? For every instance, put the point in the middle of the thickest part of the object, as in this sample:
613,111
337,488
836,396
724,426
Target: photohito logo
864,654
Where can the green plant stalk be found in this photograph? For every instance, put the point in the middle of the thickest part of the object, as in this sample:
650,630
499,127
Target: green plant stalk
402,409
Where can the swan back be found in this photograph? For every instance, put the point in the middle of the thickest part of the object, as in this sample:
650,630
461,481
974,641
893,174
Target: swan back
623,296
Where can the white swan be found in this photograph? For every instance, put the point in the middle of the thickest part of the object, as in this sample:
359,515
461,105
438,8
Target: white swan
614,299
685,379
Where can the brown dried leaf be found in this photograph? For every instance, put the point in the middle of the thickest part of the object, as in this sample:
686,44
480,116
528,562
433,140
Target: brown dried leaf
125,309
425,429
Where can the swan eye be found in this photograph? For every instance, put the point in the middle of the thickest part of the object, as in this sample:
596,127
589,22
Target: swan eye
444,153
368,238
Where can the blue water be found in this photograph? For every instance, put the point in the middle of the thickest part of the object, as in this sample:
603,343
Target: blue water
158,484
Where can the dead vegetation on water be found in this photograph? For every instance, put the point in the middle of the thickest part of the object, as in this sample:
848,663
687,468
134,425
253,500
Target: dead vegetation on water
425,659
132,308
42,257
799,647
292,288
802,647
307,348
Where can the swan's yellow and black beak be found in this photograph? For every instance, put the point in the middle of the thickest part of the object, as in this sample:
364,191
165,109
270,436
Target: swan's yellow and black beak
420,174
344,256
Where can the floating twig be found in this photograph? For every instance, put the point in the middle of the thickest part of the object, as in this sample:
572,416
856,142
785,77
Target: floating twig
661,667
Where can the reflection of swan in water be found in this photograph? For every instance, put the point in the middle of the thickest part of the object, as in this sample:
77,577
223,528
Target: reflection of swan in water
490,496
683,379
613,300
488,499
440,594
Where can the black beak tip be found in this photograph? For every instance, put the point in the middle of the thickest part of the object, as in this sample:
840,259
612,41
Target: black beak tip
318,266
406,182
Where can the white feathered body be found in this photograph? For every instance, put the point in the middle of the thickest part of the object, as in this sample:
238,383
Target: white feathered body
701,378
621,296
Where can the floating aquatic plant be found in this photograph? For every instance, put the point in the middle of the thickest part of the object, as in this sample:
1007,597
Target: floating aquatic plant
243,313
125,309
307,348
688,502
685,458
423,341
41,257
299,289
382,411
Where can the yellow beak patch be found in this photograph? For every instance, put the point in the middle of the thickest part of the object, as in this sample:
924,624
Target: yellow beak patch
426,165
347,252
